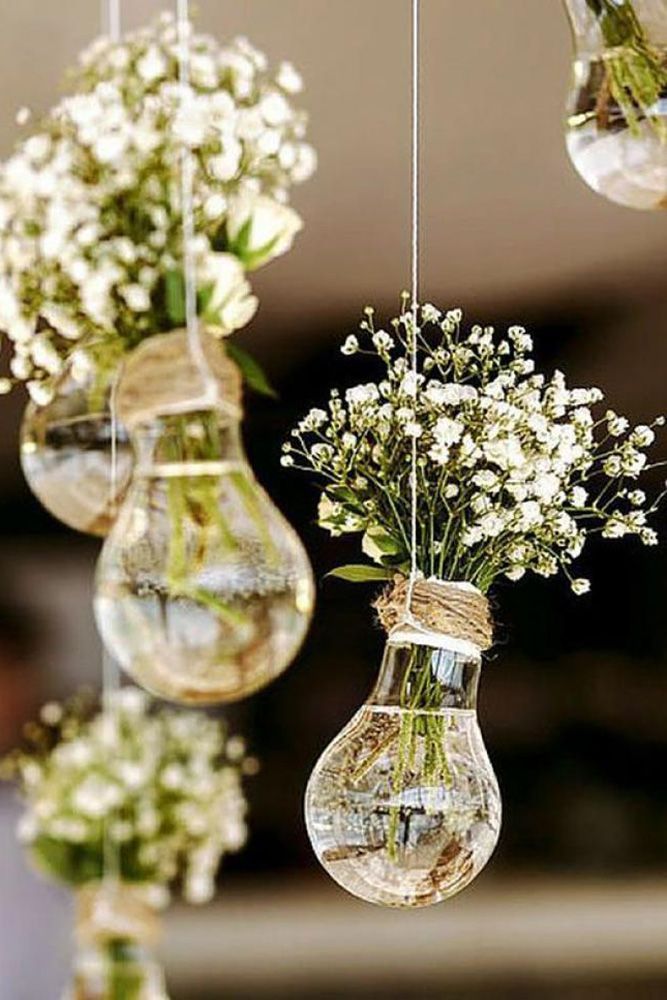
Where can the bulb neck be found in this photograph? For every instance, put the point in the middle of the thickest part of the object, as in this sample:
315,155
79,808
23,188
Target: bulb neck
425,677
194,440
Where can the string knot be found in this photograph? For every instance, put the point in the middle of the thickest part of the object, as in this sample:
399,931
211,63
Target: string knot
453,609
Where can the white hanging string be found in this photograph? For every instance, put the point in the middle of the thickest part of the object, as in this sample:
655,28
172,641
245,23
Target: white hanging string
110,668
414,360
195,344
111,20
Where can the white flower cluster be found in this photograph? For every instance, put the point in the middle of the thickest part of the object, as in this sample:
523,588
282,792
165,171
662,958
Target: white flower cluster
163,788
90,204
515,471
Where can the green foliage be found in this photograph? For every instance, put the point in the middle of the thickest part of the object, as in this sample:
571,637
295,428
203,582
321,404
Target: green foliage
361,574
252,372
635,70
241,247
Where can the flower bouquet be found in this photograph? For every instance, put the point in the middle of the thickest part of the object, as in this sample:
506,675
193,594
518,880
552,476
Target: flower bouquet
91,233
121,805
515,473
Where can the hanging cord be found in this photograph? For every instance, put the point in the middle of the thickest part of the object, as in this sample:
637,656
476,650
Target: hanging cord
414,361
195,344
111,20
110,670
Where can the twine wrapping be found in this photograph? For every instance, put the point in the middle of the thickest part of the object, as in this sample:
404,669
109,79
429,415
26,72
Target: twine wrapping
461,612
160,378
119,910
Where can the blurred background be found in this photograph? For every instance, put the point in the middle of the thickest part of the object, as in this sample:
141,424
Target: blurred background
573,700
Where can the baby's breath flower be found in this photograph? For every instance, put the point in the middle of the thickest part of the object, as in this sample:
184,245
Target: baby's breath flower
382,342
642,436
315,419
413,429
51,713
579,497
616,425
508,461
170,792
41,393
75,262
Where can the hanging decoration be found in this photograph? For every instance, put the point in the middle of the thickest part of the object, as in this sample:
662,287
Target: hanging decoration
165,787
514,472
458,467
91,232
204,593
617,109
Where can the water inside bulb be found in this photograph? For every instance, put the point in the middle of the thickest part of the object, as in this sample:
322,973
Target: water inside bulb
403,808
66,455
616,125
204,593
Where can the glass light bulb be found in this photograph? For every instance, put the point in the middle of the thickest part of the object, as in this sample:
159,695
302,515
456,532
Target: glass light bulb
66,453
403,808
204,593
616,126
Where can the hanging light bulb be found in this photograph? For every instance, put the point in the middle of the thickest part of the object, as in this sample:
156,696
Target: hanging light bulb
204,593
66,452
616,125
403,808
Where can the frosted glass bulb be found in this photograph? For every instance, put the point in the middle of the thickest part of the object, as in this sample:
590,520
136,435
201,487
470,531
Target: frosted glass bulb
204,593
403,808
66,453
616,128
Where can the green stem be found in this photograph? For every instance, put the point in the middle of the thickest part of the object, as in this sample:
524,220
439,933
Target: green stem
422,725
198,527
125,976
635,71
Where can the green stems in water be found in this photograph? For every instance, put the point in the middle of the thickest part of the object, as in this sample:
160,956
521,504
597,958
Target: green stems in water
200,531
422,738
635,70
126,978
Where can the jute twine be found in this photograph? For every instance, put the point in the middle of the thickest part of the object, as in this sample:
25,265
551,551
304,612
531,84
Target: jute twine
161,378
438,606
119,910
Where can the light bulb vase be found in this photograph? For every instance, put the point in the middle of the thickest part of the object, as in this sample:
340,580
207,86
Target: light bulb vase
403,808
616,124
116,930
204,592
66,452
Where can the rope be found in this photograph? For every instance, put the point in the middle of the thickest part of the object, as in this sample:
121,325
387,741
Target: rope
439,607
111,14
415,191
110,19
195,345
